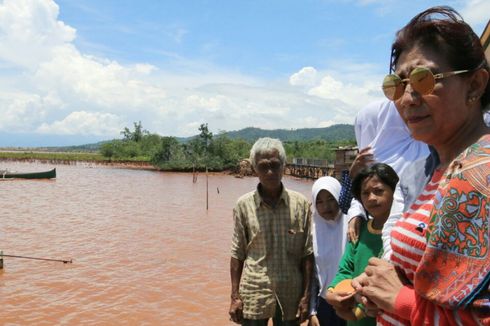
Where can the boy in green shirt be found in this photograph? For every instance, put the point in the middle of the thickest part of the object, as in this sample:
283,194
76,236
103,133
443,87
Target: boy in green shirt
374,188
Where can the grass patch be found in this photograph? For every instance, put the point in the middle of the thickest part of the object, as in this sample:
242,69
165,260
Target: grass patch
64,156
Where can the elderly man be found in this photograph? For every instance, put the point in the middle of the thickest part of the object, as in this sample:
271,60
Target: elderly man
271,253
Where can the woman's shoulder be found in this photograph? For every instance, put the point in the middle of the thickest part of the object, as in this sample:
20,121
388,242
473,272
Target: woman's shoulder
480,147
477,154
472,169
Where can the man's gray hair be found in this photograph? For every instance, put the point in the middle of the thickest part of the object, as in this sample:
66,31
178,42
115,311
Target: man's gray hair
267,145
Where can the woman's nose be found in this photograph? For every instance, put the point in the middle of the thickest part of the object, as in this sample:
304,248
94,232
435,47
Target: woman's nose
410,97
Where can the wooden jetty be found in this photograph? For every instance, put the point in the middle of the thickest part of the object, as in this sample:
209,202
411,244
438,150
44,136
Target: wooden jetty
344,156
309,168
315,168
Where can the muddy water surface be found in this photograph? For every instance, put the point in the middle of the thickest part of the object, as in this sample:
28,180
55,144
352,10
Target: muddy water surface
145,250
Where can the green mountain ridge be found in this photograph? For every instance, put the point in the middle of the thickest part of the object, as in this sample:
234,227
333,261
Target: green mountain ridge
340,132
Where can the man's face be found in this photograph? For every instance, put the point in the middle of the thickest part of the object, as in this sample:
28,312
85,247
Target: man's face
269,169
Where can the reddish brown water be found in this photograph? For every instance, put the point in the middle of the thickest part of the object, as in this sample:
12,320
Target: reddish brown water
145,250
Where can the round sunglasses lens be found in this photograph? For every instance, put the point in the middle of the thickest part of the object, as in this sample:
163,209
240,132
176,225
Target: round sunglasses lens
392,87
422,80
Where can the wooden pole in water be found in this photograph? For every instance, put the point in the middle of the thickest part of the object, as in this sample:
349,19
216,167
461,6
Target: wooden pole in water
194,175
37,258
1,259
207,192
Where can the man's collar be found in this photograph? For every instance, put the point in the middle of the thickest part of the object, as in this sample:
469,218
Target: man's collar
283,197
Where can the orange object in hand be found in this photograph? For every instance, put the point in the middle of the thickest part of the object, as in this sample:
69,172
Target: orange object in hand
344,286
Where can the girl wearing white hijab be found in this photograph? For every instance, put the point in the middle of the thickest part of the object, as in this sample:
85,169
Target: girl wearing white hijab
329,239
382,136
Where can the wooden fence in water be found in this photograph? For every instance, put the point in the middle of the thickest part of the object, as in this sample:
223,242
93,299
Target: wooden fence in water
309,168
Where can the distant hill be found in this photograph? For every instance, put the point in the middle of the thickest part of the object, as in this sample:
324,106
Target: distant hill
94,147
340,132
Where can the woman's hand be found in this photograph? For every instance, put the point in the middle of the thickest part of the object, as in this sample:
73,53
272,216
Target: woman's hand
362,160
370,308
354,228
379,285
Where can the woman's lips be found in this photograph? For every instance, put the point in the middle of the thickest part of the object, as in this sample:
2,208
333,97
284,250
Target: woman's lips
416,119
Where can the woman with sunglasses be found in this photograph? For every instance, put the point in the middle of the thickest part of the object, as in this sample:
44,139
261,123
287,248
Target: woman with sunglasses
439,272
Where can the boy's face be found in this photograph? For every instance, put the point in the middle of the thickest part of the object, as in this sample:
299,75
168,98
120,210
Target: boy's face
376,197
326,205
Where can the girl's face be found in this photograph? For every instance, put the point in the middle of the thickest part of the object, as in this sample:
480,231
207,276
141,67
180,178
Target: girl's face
376,197
326,205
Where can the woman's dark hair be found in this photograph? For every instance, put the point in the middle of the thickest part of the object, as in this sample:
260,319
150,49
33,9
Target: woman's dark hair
443,30
383,171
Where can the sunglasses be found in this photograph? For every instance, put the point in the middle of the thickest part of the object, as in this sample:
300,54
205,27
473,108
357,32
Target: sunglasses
421,79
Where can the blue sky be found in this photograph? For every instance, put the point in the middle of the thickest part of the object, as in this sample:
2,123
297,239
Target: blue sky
78,71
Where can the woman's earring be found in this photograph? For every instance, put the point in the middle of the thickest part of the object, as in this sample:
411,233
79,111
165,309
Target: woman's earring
472,99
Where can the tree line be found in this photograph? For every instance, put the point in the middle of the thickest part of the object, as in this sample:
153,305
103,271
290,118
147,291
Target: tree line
216,152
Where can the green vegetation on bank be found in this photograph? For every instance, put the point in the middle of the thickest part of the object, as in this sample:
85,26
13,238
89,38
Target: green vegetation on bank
65,156
216,152
167,153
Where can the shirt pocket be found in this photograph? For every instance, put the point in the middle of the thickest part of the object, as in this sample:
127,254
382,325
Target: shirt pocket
296,242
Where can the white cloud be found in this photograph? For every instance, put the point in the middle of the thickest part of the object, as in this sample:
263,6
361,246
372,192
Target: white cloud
476,12
345,86
22,111
84,123
352,94
208,103
305,77
144,68
29,31
177,34
50,75
100,82
328,88
239,106
15,112
61,90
